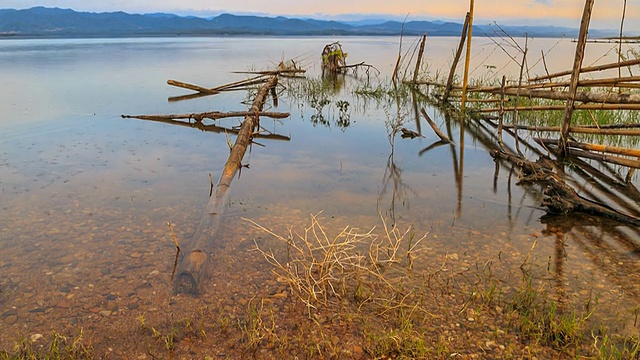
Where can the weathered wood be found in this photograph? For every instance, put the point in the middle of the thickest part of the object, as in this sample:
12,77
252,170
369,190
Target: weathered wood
575,75
588,69
196,262
465,79
562,107
419,59
601,157
193,87
594,147
273,72
581,96
456,59
213,128
603,130
560,198
501,112
433,125
215,90
214,115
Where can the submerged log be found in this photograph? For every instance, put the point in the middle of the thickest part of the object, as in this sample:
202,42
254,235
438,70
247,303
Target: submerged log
196,263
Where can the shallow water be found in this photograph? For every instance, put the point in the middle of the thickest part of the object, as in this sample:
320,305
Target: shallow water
86,195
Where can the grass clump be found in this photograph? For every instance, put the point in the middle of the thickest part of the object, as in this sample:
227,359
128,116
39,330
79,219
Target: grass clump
397,309
58,348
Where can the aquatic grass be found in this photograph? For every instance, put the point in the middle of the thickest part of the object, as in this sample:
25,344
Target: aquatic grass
58,348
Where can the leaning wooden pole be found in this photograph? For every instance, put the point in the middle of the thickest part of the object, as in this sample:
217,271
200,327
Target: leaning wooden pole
196,262
465,79
575,75
454,65
419,60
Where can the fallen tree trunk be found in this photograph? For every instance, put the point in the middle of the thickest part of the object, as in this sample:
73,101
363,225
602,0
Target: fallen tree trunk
196,262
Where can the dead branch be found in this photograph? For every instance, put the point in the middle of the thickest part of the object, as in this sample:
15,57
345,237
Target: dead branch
433,125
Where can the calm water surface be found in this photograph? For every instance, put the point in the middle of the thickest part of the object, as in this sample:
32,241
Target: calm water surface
86,195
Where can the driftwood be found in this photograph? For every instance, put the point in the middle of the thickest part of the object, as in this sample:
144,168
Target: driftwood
209,127
560,198
213,115
196,262
236,85
433,125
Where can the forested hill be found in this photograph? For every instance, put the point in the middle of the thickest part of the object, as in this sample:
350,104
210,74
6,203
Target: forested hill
55,22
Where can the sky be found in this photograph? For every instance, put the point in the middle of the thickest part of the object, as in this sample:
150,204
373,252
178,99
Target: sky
606,13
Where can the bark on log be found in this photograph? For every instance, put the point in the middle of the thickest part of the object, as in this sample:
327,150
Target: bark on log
196,263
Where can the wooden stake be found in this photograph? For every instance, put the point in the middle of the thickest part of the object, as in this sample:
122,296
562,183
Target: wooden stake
419,59
501,113
454,65
465,80
575,75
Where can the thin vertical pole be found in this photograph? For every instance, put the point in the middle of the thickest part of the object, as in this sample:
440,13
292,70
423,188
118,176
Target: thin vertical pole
465,81
419,60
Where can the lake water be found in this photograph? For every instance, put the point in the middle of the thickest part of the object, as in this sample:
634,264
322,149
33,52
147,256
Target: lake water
86,195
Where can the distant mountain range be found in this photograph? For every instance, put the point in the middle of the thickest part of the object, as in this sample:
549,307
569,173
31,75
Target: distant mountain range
55,22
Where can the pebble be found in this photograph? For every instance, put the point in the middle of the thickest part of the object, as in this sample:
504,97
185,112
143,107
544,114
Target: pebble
282,295
10,320
105,313
9,312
